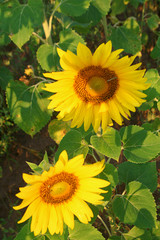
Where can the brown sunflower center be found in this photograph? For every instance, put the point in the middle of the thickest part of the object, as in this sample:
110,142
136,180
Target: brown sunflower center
59,188
95,84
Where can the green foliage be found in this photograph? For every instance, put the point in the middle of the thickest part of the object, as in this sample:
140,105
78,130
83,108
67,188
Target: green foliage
28,106
108,144
144,173
84,232
136,207
139,145
74,7
74,144
5,77
47,57
37,28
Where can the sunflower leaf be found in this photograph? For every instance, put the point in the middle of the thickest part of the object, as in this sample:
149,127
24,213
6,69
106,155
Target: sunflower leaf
136,207
126,38
74,144
139,145
128,172
47,57
153,78
137,233
74,7
84,232
21,25
102,5
28,106
108,144
69,40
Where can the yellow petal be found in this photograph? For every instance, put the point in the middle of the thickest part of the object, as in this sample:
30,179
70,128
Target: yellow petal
53,220
84,53
67,216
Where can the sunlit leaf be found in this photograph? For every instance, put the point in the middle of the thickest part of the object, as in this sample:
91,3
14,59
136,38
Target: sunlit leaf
47,57
108,144
57,130
21,25
110,173
154,79
153,21
84,232
69,40
127,39
136,207
28,106
74,144
139,145
137,233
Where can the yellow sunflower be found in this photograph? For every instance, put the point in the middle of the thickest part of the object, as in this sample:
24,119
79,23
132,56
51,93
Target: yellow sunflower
56,196
96,89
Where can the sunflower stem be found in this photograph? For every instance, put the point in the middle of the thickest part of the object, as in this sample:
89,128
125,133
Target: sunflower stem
104,224
104,22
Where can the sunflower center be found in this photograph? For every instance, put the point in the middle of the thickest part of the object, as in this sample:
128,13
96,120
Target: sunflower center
59,188
95,84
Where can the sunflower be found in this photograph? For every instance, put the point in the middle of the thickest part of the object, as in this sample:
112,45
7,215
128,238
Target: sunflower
56,196
96,89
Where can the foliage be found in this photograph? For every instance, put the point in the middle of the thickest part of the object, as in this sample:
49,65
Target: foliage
30,32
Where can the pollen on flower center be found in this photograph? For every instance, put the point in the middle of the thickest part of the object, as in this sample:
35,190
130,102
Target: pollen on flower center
59,188
95,84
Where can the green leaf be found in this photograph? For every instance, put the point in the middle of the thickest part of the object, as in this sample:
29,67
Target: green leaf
132,24
153,126
69,40
47,57
57,129
37,8
137,207
6,12
110,173
5,77
118,7
139,145
74,7
154,79
153,21
155,54
127,39
137,233
43,166
84,232
102,5
4,39
108,144
92,16
28,106
25,234
21,25
74,144
155,232
145,173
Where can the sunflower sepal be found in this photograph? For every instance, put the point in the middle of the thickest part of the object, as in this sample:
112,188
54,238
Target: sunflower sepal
44,165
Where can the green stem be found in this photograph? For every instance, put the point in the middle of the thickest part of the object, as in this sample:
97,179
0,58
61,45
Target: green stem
104,22
104,224
35,34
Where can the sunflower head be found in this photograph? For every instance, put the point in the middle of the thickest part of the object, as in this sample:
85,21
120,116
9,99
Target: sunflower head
55,196
96,88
